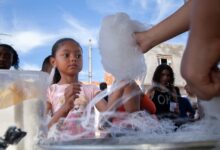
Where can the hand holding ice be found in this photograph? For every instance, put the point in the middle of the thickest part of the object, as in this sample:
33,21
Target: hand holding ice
118,49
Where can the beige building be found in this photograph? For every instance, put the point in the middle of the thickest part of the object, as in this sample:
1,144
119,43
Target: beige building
165,53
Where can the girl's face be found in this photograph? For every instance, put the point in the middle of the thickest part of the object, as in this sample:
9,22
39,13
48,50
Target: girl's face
68,58
165,77
6,58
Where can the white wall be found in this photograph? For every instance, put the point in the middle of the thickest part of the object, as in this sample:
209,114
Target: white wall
176,51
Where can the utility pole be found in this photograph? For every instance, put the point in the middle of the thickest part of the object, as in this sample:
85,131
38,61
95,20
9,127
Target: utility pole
90,61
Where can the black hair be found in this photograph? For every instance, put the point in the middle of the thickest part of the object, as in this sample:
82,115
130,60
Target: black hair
158,73
46,66
15,60
103,86
177,90
55,47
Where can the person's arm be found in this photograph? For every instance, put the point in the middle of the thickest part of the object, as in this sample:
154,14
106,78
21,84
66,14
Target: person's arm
133,91
62,112
150,92
48,102
101,105
147,104
49,108
172,26
71,93
114,97
202,54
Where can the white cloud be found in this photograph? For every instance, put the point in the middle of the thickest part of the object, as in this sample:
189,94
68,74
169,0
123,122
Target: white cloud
22,34
107,6
147,11
142,3
166,8
79,31
24,41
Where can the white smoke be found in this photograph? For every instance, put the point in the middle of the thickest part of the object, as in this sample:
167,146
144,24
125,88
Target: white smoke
118,49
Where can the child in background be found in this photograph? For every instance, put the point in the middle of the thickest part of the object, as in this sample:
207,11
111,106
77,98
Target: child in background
67,93
163,93
47,65
167,97
8,57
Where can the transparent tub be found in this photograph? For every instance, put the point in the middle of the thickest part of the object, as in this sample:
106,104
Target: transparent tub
117,144
22,97
203,134
22,104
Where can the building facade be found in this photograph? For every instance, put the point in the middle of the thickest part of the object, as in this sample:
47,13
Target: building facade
163,53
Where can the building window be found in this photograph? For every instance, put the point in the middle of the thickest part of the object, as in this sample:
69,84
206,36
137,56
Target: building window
164,59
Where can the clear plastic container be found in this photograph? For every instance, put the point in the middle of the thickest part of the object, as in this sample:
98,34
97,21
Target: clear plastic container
22,99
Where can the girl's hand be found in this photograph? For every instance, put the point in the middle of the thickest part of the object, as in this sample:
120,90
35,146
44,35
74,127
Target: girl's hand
71,93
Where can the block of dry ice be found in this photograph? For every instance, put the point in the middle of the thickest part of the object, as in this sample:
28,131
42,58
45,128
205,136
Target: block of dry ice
118,49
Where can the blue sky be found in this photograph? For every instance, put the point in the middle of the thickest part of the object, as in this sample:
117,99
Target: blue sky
32,26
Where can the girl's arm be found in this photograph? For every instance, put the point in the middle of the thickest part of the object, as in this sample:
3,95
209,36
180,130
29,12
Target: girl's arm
150,92
101,105
116,95
131,105
49,107
62,112
112,98
133,91
130,92
147,104
71,93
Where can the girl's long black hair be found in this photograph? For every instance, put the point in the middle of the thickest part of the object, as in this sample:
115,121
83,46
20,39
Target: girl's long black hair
158,73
